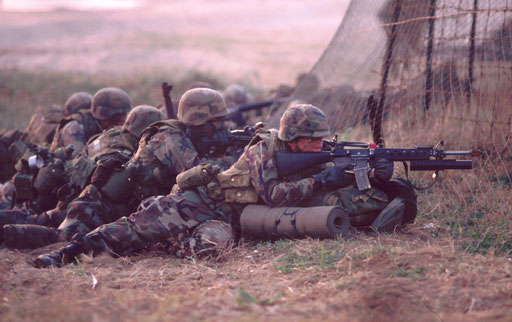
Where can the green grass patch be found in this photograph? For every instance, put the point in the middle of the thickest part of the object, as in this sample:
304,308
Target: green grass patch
325,255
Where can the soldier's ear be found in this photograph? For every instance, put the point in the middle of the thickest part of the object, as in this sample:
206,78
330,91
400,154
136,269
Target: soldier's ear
293,145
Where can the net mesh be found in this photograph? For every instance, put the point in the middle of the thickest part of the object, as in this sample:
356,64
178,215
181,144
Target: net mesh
437,69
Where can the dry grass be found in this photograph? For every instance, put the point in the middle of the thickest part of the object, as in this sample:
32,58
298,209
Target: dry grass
408,276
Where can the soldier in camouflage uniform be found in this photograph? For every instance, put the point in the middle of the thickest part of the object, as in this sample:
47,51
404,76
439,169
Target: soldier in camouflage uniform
252,179
302,128
109,107
166,148
40,131
115,145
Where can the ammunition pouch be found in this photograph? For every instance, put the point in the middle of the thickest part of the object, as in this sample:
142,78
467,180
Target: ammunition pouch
84,169
24,184
236,183
49,177
119,185
263,222
199,175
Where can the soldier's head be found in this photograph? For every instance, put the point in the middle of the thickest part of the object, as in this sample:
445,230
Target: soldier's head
76,102
140,118
303,126
110,106
236,95
202,110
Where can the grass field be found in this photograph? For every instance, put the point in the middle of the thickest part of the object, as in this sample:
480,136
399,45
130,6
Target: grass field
453,264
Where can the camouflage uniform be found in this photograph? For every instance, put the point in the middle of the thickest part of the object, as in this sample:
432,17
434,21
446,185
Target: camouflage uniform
79,127
300,189
164,151
161,217
110,148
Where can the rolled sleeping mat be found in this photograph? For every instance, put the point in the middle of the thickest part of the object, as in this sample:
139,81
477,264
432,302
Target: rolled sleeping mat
264,222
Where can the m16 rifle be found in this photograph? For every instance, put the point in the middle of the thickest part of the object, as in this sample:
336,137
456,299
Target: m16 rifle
357,156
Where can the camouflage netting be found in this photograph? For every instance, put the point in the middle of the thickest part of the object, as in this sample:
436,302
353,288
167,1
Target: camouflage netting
438,69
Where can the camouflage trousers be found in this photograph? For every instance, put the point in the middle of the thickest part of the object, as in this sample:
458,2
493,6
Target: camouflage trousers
364,206
157,219
83,214
90,210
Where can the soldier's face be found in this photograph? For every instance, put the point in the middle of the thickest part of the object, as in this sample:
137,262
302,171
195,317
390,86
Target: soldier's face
302,144
117,119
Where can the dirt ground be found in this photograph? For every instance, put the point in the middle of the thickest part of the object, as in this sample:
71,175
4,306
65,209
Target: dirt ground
410,276
420,273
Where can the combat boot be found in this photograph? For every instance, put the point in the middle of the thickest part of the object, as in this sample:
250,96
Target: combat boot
62,256
390,217
30,236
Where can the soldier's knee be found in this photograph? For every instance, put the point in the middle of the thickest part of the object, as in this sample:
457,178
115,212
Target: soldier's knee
399,187
207,238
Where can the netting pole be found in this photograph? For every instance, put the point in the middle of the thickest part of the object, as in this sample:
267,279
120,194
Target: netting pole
377,130
471,55
430,46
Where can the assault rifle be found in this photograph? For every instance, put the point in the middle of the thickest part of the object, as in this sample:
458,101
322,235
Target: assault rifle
235,113
421,158
235,138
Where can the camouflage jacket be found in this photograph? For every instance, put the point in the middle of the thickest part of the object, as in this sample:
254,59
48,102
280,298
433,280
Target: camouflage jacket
113,140
43,124
76,130
254,178
164,151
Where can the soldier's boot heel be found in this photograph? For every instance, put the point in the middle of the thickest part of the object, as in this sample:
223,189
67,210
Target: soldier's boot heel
30,236
390,217
62,256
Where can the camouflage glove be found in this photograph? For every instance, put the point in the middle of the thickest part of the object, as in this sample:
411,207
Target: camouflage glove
383,170
333,176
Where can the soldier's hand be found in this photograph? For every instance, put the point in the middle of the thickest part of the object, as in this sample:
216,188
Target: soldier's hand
334,176
383,170
211,169
221,138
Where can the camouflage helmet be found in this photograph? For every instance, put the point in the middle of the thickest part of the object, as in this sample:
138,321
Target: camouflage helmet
140,118
199,84
303,120
110,101
200,105
76,102
236,95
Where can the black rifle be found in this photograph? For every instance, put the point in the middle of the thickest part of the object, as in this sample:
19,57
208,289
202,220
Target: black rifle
166,93
235,113
421,158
